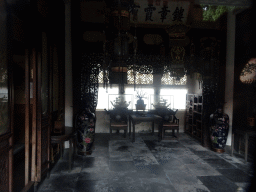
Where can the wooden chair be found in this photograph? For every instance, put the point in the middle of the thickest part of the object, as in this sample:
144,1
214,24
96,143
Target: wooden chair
171,124
118,121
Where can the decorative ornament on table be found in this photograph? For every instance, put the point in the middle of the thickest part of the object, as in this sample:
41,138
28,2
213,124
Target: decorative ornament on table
140,102
162,103
120,102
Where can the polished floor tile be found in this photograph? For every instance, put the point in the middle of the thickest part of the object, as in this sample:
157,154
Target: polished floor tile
235,175
146,165
218,183
219,164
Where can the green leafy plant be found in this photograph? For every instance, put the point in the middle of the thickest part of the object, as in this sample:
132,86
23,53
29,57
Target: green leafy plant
213,13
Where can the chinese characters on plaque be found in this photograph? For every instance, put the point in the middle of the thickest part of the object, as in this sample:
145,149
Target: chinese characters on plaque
156,12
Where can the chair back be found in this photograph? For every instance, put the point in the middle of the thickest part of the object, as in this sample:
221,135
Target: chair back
119,115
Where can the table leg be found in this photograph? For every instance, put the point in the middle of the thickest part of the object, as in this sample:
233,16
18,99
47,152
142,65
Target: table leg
246,147
130,127
61,150
133,134
232,144
239,147
70,155
52,157
75,146
160,128
153,127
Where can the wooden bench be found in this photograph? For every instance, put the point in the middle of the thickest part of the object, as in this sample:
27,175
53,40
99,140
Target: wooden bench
60,139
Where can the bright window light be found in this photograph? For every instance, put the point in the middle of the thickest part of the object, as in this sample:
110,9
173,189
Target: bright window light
179,96
146,91
103,96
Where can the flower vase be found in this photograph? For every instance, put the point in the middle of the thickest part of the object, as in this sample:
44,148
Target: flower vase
89,147
85,132
219,131
140,105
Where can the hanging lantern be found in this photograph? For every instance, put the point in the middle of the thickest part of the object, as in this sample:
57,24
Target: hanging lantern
119,56
120,15
177,72
120,18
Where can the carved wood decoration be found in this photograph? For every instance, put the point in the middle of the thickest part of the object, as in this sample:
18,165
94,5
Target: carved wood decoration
89,81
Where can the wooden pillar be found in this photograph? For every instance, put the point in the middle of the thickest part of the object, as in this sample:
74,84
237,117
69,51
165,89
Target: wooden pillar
157,87
229,85
27,117
68,67
34,116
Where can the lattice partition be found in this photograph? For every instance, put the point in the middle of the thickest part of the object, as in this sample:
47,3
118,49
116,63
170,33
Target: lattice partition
144,79
168,80
146,66
89,80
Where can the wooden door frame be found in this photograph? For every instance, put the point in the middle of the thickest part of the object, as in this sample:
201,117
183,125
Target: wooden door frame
43,121
6,139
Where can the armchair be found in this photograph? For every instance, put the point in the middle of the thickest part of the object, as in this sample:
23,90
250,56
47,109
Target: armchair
118,120
171,124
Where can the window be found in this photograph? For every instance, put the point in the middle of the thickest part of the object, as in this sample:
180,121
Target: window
175,97
100,77
179,97
103,96
146,91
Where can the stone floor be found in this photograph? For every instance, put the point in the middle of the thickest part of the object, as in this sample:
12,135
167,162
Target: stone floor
118,165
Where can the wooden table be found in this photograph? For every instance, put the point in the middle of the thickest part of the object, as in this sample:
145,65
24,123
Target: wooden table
60,139
138,118
246,134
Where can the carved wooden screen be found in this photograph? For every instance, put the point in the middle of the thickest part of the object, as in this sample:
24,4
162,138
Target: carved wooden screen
89,80
167,79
